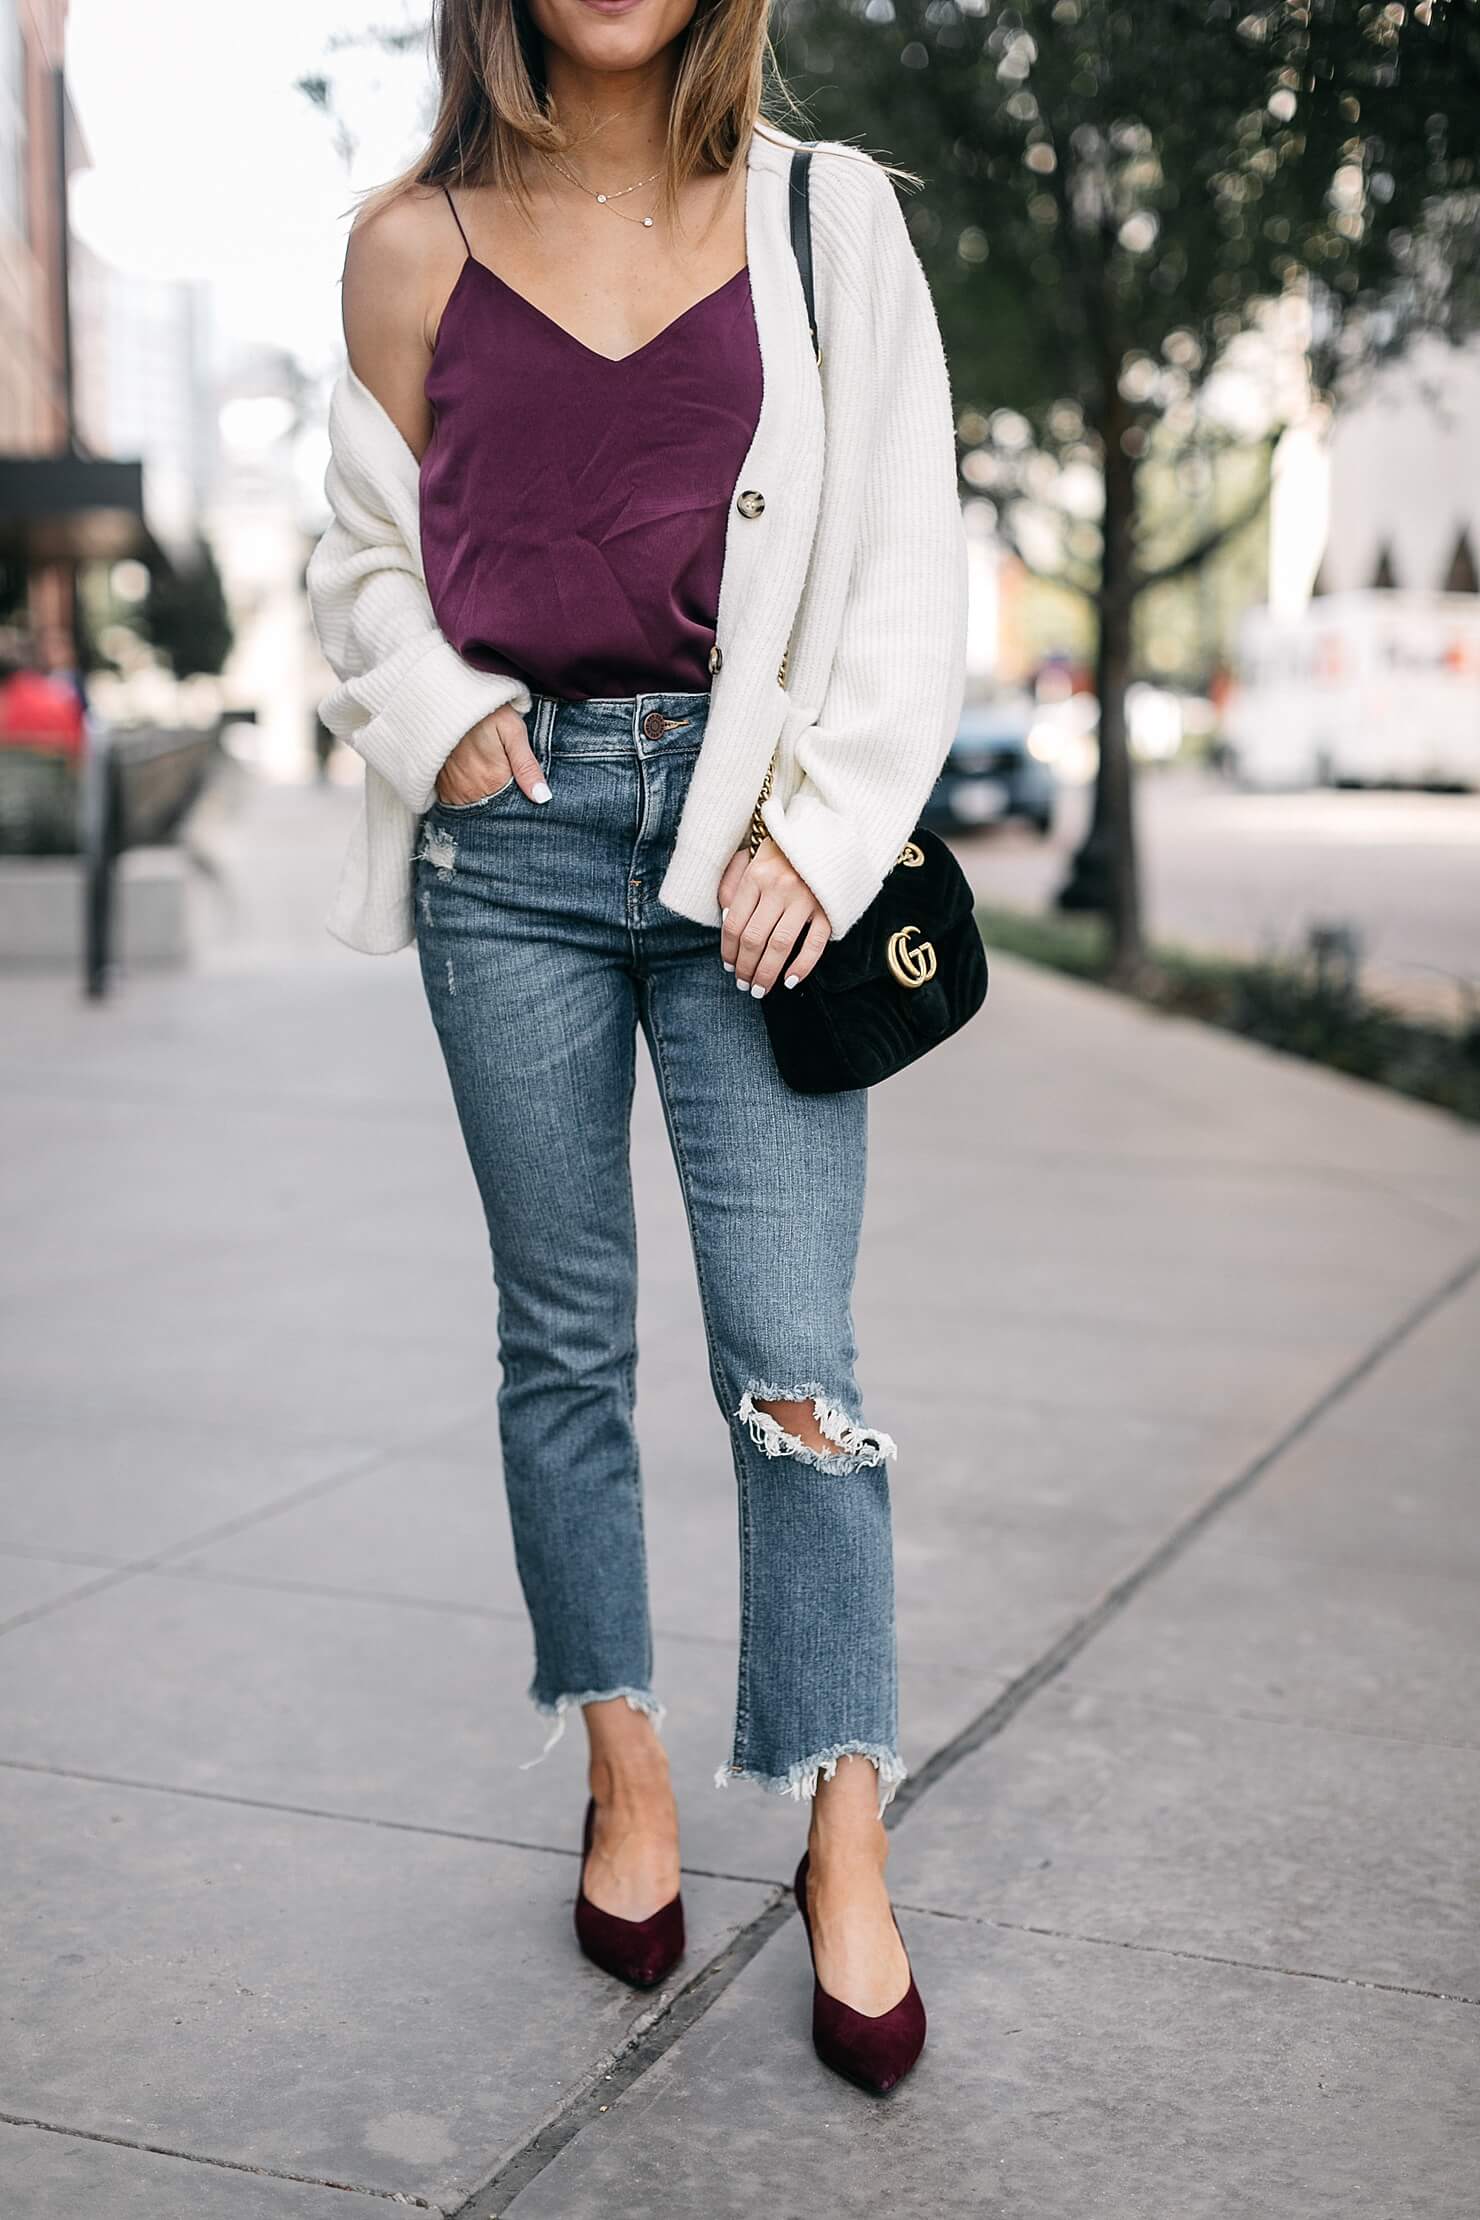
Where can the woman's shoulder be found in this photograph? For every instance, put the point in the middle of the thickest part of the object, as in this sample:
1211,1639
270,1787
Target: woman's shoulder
400,265
852,195
857,222
398,235
846,175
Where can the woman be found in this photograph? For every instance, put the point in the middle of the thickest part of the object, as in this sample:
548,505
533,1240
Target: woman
592,567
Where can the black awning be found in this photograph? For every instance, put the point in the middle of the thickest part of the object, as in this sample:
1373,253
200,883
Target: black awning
81,508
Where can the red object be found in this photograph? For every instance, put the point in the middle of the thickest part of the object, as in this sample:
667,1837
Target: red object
35,708
642,1951
873,2050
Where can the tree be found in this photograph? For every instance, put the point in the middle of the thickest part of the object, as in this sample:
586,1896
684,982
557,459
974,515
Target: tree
186,618
1119,195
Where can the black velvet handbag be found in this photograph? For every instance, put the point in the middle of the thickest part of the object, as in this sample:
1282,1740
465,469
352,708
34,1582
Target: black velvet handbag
912,970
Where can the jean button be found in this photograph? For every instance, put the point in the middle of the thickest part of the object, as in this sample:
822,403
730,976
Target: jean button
654,725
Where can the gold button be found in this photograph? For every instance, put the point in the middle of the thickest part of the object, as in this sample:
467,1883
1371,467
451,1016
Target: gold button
751,504
716,660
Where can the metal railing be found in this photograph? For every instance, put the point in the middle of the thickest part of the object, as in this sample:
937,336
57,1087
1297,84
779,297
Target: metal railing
130,789
137,790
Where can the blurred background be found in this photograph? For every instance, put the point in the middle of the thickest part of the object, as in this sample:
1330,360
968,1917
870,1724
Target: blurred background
1209,331
1177,1337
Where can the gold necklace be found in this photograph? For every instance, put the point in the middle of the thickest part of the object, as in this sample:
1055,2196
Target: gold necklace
605,200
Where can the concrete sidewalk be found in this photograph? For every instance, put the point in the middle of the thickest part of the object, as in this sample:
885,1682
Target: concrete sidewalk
1179,1341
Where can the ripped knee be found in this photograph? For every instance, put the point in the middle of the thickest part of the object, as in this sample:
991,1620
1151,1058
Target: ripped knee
805,1423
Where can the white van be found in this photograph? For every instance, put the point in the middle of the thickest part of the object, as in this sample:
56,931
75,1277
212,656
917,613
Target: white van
1377,687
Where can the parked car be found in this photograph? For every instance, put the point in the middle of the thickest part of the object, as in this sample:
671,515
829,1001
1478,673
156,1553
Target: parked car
992,772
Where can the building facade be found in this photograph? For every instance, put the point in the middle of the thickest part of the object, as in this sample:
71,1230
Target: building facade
36,146
65,498
1405,477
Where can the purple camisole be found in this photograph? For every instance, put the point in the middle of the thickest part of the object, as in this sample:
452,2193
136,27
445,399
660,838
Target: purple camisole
573,508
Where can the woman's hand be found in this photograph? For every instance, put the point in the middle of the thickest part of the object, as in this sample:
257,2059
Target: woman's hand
767,909
495,751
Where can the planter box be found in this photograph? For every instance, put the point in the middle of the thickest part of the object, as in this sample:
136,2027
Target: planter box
41,911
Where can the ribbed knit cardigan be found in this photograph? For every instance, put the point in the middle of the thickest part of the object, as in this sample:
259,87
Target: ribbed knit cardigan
856,559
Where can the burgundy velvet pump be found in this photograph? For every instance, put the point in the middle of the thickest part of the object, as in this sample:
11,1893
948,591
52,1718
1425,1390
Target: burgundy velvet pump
873,2050
641,1951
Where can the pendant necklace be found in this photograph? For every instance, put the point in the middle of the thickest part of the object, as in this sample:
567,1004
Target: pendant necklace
607,200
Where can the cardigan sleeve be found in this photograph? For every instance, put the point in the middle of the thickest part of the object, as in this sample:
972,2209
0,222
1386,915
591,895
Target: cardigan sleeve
405,697
864,767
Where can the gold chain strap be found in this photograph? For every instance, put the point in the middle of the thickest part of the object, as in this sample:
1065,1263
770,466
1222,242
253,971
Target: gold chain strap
758,831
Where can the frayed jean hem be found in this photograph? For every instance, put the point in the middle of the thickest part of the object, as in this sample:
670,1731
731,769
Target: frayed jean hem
799,1781
557,1707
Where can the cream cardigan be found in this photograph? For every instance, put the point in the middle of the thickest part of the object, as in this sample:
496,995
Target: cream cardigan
856,556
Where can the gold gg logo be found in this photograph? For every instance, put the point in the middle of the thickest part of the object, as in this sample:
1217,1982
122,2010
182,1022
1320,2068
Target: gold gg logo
911,855
911,964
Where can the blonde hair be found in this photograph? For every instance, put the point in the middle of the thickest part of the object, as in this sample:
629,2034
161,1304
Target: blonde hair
494,111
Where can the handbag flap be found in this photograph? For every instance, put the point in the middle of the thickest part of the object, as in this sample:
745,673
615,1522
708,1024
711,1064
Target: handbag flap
930,896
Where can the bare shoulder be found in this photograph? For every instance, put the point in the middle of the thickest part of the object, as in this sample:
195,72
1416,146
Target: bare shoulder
400,265
400,254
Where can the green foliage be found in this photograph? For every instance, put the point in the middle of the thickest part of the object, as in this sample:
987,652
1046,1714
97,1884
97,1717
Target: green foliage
1115,189
186,618
1118,191
1077,945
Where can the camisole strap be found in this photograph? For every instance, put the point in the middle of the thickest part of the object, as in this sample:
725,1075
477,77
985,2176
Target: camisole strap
452,204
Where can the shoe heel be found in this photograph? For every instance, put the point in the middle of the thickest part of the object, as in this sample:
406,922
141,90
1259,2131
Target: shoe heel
874,2052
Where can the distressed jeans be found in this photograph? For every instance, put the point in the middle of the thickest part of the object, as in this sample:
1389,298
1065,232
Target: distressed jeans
544,950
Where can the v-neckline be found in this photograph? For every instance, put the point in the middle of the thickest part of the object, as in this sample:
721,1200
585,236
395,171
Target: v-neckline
614,362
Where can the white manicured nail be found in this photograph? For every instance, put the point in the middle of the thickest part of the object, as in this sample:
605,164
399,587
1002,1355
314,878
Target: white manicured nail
792,980
740,983
757,992
541,793
723,915
727,964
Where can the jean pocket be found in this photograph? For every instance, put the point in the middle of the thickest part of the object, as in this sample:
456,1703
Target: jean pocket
484,801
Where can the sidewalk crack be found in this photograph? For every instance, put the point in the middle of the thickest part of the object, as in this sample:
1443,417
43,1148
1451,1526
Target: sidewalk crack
1178,1950
403,2197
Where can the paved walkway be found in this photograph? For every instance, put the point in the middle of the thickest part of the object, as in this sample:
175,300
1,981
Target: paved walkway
1179,1341
1251,873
